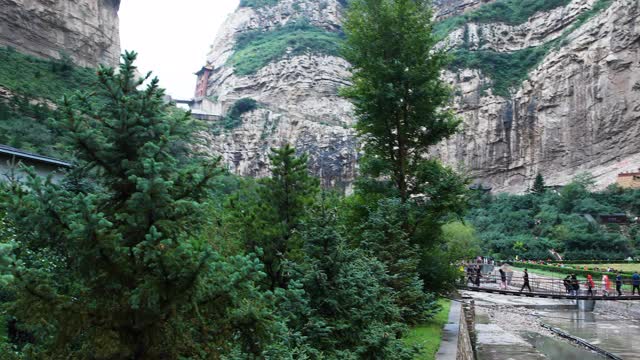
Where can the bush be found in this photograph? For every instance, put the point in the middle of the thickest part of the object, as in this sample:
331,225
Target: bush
234,115
255,49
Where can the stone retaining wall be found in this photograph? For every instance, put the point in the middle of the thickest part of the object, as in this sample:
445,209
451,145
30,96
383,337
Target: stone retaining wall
466,333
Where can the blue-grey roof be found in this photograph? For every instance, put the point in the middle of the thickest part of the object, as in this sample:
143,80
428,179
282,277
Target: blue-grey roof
4,149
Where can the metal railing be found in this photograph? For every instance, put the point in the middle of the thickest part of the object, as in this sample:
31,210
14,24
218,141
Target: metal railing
545,285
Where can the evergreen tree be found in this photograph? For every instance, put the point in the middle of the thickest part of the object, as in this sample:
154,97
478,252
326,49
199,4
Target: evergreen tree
538,185
383,235
352,312
269,223
397,91
117,269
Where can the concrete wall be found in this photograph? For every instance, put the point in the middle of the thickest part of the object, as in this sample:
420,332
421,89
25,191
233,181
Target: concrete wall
465,346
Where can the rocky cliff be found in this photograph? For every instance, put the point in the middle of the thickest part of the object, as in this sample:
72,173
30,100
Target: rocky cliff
85,30
543,86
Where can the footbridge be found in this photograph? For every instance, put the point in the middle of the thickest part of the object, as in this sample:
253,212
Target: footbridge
547,287
548,294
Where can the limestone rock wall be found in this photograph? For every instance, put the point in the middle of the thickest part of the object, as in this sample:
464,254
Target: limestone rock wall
86,30
298,96
578,111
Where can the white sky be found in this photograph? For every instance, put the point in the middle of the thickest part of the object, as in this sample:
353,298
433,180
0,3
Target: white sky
172,38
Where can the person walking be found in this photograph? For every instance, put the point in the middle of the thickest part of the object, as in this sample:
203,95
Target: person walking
591,285
575,285
606,285
635,281
567,284
525,279
503,279
478,275
618,283
470,275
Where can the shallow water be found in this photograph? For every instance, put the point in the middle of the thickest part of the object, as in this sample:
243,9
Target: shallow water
616,335
557,349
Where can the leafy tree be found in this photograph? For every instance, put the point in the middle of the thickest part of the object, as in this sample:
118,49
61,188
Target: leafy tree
538,185
400,100
397,92
116,269
461,241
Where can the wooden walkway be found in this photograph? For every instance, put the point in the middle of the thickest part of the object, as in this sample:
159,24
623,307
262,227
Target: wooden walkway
548,295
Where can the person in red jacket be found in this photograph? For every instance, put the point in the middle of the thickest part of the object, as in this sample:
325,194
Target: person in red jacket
590,285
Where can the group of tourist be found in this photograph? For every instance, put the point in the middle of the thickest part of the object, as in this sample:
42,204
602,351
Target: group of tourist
572,286
570,282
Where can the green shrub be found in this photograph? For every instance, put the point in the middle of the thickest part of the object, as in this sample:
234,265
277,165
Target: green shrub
256,49
233,119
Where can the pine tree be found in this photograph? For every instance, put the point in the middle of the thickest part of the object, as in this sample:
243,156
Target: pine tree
114,267
538,185
269,224
351,310
397,92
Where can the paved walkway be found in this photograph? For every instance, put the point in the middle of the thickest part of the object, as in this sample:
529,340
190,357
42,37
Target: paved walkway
449,345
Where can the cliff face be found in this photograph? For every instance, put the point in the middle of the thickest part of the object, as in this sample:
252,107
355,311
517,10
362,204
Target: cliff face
298,94
577,112
555,91
86,30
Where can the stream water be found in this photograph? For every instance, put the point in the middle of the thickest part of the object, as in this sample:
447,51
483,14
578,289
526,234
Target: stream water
616,335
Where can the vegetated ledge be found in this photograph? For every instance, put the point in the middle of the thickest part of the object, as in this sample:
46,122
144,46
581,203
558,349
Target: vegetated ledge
256,49
508,70
512,12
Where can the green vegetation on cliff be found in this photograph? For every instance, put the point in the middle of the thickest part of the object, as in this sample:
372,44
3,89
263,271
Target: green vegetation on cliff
512,12
39,78
507,70
256,49
34,86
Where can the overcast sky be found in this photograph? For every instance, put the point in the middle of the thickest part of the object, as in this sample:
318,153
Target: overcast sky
172,37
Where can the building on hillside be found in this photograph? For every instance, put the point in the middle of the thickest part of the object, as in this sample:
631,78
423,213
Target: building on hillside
11,159
203,81
629,180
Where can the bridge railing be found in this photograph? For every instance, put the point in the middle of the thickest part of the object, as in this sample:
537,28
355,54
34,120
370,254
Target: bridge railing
545,285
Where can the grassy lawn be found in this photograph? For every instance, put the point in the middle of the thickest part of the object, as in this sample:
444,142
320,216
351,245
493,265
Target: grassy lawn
428,336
